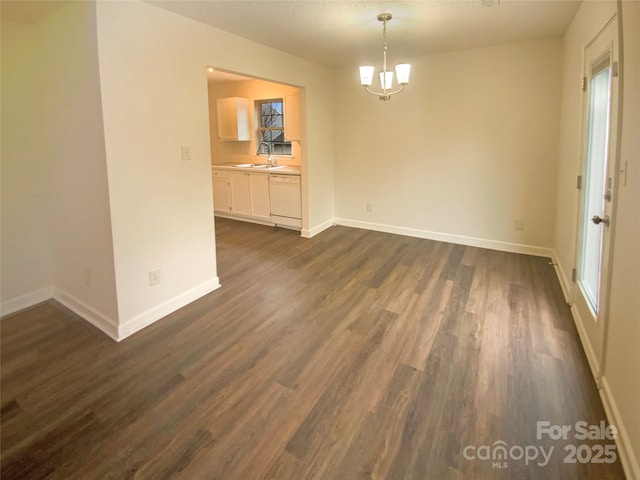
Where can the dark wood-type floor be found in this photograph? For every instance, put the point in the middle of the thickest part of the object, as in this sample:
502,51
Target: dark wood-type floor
351,355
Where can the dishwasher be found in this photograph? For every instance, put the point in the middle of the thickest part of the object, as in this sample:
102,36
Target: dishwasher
285,197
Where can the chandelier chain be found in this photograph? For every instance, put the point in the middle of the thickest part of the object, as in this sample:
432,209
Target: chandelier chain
384,51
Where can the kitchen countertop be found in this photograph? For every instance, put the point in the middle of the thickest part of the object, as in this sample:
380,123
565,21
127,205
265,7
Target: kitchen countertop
285,169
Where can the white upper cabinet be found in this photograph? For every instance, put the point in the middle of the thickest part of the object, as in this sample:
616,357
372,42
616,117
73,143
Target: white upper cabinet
233,119
292,117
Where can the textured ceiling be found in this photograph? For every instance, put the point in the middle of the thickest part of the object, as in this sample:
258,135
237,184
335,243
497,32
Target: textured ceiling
339,33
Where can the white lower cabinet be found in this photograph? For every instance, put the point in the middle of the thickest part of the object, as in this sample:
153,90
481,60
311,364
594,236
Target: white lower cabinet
240,201
259,195
221,191
241,193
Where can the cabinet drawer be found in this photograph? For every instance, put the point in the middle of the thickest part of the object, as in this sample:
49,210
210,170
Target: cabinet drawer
220,174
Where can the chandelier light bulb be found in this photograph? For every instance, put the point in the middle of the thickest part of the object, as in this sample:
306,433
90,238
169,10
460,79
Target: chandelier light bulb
386,80
366,75
403,70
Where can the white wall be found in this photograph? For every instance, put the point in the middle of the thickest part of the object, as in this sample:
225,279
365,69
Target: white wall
26,265
75,147
154,91
469,147
55,220
154,96
622,368
621,381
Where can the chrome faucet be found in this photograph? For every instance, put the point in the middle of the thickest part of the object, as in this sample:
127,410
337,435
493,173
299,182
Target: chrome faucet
269,160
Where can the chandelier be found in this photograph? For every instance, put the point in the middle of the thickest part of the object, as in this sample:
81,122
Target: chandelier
386,78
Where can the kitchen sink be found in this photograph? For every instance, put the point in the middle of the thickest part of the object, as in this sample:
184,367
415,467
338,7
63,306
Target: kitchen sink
259,166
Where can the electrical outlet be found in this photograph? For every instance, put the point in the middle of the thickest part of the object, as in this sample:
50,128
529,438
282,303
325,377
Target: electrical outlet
86,277
154,277
519,224
369,207
186,153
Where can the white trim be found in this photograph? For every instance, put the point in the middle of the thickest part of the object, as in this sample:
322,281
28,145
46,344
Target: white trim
103,322
565,284
259,221
625,451
312,232
97,319
584,339
26,300
450,237
137,323
287,222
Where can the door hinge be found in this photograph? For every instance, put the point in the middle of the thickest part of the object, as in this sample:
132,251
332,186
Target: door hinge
579,182
583,84
614,69
574,274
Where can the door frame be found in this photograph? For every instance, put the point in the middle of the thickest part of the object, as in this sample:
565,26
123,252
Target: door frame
596,354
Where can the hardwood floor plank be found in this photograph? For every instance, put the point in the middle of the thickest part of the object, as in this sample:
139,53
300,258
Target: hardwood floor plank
354,354
377,439
316,424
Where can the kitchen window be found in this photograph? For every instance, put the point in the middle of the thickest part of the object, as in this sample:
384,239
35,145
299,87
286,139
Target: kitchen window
271,127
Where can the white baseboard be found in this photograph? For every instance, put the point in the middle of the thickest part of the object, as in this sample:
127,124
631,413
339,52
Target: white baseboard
449,237
625,451
137,323
103,322
586,345
565,284
240,218
26,300
97,319
312,232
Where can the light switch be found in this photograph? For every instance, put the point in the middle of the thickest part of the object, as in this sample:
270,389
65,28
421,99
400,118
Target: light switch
186,153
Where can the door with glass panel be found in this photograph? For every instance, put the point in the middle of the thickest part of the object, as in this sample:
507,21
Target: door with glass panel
600,85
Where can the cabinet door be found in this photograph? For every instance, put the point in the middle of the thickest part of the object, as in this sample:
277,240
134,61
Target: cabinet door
259,188
221,194
240,203
292,117
227,120
233,119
